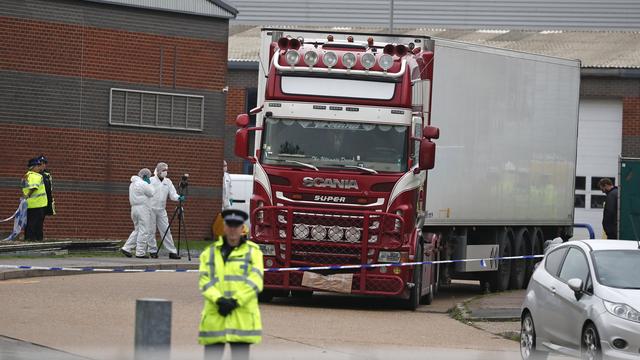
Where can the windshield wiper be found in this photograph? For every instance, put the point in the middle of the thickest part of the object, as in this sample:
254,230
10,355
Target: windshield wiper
298,163
371,171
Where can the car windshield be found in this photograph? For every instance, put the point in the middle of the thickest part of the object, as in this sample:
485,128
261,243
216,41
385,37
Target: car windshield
334,144
617,268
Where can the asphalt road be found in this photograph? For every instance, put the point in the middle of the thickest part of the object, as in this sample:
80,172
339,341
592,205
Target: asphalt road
93,316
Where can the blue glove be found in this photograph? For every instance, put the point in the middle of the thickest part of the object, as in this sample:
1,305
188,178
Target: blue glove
147,180
182,198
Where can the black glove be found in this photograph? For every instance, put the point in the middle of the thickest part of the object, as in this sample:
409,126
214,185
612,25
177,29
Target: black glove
226,305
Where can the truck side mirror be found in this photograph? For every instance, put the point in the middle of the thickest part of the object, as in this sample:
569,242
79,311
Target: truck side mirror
431,132
242,143
427,155
242,121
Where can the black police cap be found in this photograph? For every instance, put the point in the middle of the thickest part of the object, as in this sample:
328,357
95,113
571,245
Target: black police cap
234,217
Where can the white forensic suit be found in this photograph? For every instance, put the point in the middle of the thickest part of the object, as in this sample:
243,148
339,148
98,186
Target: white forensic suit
140,194
163,189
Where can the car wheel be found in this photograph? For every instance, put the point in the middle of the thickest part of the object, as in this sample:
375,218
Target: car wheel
528,349
591,349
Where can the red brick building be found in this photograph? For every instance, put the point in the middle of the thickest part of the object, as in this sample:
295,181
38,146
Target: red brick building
104,88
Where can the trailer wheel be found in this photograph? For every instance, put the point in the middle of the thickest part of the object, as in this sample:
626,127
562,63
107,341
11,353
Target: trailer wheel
537,239
414,298
499,280
519,267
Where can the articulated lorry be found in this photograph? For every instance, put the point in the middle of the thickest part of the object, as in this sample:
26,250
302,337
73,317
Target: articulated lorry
346,170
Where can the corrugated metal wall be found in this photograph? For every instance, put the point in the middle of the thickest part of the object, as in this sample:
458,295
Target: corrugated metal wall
486,14
199,7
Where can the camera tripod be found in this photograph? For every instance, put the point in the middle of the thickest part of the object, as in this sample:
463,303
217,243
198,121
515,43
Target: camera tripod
179,212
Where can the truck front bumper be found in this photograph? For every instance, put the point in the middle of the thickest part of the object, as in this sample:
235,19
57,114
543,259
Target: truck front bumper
363,283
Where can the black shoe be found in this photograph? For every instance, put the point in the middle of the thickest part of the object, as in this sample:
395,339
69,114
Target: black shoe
154,255
142,257
126,253
174,256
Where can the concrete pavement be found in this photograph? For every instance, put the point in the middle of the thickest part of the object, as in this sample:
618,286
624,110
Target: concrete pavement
99,262
93,316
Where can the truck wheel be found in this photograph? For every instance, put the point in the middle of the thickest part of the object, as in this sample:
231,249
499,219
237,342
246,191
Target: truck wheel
428,299
268,295
414,298
519,267
301,294
536,238
499,280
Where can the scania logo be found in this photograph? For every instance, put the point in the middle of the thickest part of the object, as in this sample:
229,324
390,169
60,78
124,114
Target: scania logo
330,183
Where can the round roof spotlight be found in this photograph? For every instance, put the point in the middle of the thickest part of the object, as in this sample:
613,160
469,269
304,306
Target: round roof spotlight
283,43
389,49
385,62
310,58
292,57
411,46
348,60
330,59
370,41
368,60
401,50
294,44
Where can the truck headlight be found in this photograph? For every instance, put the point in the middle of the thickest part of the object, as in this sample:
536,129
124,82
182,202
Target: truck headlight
330,59
389,257
318,232
292,57
310,58
335,233
385,61
268,249
352,234
623,311
300,231
368,60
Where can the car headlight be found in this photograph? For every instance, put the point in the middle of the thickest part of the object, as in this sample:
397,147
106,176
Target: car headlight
389,257
623,311
268,250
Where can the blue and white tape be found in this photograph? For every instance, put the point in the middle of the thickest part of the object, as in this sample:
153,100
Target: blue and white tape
483,263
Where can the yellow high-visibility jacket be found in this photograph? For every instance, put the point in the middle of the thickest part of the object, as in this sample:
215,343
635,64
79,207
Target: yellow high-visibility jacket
241,278
33,180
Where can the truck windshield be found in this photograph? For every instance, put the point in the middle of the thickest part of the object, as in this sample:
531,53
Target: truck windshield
327,144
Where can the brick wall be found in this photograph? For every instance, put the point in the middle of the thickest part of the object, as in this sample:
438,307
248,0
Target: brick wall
59,61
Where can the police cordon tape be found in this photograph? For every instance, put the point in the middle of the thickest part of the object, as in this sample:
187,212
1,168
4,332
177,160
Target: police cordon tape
483,263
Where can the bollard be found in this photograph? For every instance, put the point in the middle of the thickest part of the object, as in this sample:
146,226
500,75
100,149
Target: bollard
153,329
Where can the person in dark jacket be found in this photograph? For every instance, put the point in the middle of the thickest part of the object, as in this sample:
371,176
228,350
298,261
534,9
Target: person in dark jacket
48,185
610,215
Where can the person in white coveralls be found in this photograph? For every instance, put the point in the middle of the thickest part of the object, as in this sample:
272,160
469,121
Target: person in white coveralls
140,194
163,189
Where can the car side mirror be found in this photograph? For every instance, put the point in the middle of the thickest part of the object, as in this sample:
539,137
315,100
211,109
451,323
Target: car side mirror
576,286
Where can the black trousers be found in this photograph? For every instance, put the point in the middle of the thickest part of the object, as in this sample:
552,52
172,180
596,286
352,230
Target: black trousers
35,223
239,351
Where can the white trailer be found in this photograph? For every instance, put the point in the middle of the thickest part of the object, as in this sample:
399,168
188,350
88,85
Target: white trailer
506,159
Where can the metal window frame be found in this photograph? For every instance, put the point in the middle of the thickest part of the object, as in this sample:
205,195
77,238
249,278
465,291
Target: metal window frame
157,95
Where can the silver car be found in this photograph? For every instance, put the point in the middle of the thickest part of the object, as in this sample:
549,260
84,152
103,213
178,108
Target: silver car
583,300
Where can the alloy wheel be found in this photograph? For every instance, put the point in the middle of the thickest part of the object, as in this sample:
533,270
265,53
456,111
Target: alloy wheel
527,338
